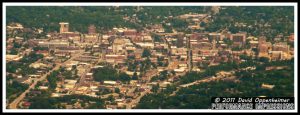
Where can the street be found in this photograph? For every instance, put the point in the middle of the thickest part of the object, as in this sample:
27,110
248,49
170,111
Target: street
14,104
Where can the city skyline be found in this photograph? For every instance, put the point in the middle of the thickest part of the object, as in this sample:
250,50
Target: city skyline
147,57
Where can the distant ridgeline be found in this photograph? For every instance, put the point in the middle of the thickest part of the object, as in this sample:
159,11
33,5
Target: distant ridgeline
280,18
80,17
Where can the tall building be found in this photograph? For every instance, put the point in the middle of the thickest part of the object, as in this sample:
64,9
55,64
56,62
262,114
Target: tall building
64,27
264,47
281,46
239,37
92,29
138,8
216,36
180,41
262,40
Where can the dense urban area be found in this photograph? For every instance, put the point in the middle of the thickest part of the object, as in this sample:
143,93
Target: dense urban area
146,57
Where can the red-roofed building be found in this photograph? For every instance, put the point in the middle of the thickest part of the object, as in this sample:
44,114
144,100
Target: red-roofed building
26,104
130,32
44,52
291,38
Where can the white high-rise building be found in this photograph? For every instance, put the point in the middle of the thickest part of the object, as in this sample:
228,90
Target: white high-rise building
64,27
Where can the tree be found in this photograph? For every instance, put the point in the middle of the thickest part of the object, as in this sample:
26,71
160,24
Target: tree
111,98
16,45
52,78
11,67
105,73
135,77
117,90
202,24
74,67
62,69
255,50
13,51
40,48
67,74
263,59
41,103
156,38
146,53
155,88
15,88
124,77
173,72
245,57
146,64
260,67
163,75
178,23
236,49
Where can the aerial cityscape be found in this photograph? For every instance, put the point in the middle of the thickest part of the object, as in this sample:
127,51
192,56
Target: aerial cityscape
146,57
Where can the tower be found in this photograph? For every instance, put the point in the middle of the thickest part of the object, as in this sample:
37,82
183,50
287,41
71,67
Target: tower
64,27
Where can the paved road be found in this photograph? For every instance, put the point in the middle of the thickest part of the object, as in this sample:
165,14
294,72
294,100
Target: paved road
82,77
14,104
137,100
207,79
155,72
81,80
